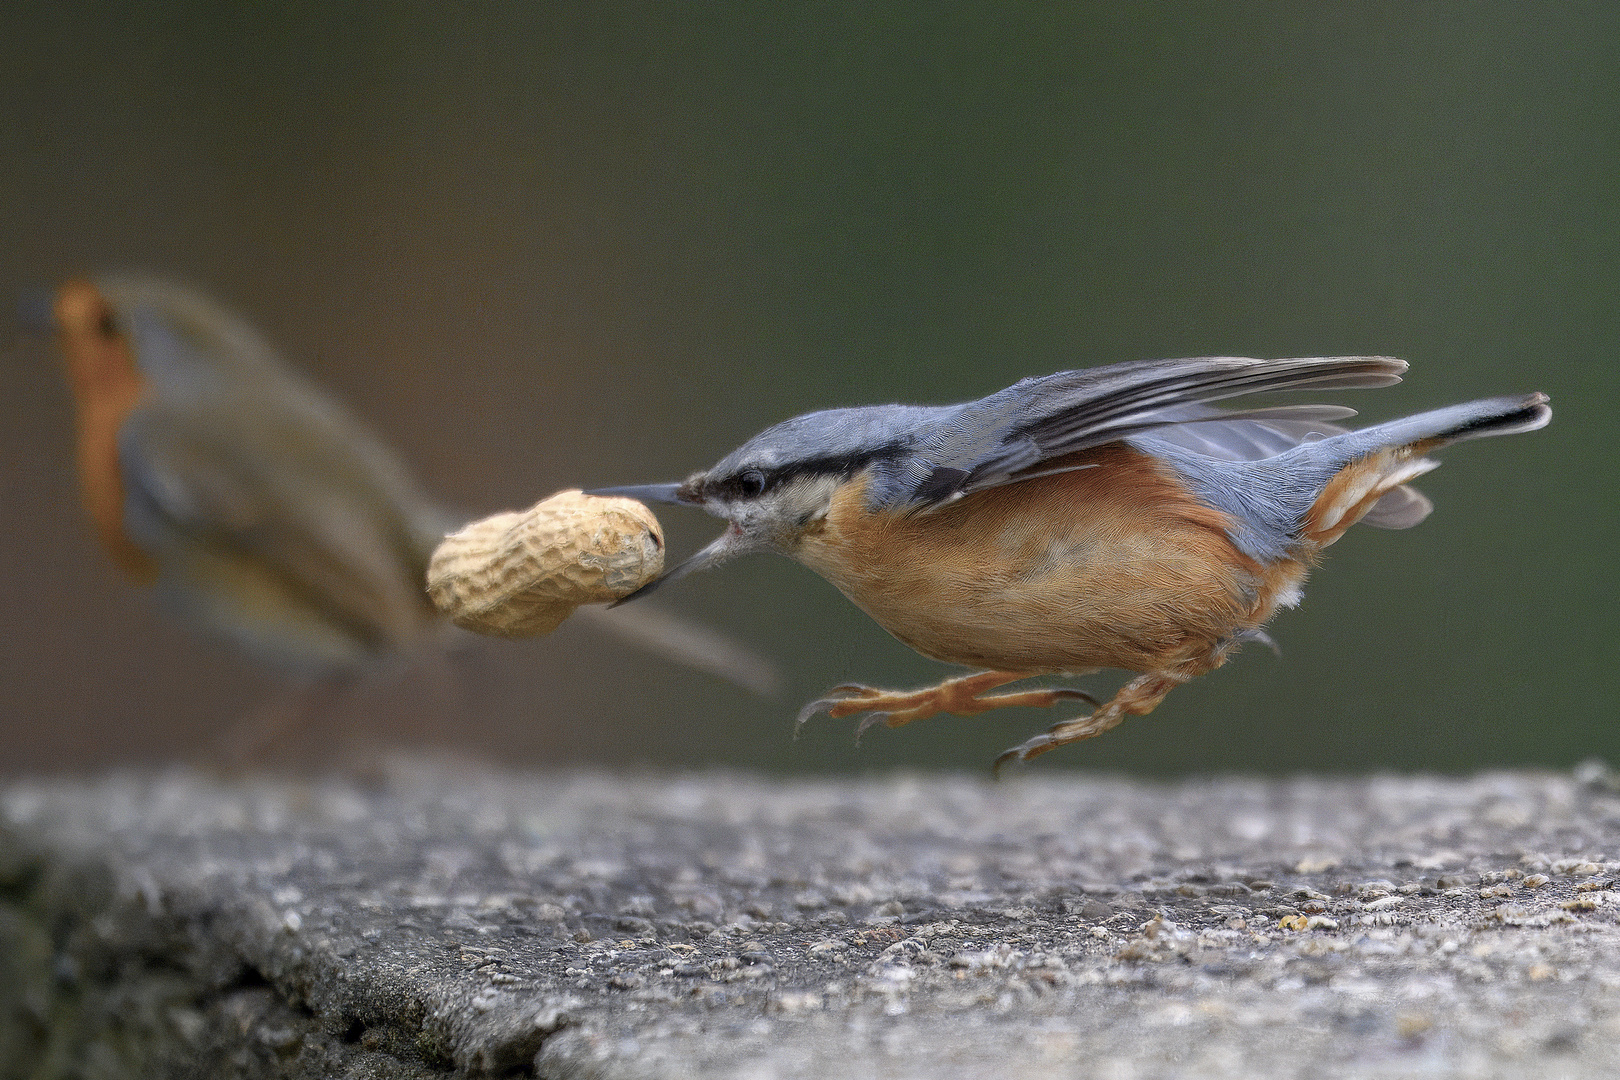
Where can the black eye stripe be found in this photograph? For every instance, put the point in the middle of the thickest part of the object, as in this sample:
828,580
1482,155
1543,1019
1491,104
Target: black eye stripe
752,482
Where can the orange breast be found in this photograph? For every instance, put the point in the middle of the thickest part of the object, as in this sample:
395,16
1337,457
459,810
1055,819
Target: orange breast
1116,565
106,387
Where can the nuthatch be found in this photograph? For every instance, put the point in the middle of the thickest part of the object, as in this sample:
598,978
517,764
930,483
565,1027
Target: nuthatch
259,509
1107,518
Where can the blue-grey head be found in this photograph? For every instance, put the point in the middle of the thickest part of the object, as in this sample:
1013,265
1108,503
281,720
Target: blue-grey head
780,484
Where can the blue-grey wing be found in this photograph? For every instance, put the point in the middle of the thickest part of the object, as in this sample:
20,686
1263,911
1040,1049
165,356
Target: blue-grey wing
1010,435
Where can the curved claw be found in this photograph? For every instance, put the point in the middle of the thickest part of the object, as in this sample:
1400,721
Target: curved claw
1021,753
1015,754
867,721
836,696
820,705
1257,634
846,692
1030,748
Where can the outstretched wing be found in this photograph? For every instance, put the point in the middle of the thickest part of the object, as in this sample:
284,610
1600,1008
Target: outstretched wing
1010,435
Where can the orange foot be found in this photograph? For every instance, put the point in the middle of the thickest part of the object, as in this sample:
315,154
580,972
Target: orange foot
1138,697
961,696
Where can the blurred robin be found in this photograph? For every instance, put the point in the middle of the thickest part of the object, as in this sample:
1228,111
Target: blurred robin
1107,518
255,505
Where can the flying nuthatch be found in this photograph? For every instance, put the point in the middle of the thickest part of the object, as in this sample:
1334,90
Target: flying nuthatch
1107,518
259,509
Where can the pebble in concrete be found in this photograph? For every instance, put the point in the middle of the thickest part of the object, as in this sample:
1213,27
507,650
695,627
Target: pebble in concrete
453,921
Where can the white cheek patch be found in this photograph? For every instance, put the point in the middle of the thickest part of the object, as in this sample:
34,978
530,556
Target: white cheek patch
806,500
778,518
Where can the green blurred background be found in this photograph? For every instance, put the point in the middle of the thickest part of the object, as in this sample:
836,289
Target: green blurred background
542,245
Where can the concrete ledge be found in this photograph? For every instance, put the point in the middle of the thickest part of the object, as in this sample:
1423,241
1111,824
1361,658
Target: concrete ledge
450,921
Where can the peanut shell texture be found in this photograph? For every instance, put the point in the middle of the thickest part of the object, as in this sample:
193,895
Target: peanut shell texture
520,574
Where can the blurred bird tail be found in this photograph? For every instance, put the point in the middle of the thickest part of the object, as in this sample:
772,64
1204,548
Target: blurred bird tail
1374,463
687,643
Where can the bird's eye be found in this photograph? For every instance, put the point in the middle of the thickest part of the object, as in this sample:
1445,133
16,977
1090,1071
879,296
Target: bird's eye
751,483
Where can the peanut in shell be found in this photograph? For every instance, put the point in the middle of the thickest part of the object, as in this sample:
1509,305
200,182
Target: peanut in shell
520,574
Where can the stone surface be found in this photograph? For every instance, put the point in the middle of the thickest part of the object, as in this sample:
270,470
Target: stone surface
445,920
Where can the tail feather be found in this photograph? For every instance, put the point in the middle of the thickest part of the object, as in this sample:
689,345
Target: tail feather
1313,491
1441,427
1375,462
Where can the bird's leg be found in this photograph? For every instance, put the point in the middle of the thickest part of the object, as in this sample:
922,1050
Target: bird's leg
963,696
1138,697
254,738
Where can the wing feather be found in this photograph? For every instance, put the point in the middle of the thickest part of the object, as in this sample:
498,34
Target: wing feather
1002,437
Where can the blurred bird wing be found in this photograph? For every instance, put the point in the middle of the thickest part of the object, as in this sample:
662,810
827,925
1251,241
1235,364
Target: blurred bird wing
999,439
212,375
326,541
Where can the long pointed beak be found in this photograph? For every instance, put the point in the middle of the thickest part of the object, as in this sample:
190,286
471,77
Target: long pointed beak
655,493
726,545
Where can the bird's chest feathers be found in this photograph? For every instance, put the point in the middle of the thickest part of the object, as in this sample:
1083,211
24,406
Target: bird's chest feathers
1115,565
103,404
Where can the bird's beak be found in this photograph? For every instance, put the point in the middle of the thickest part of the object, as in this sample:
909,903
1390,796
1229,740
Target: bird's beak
34,310
654,493
730,543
